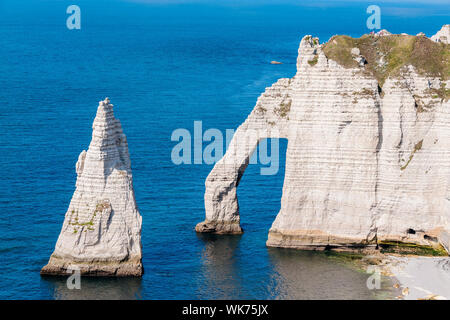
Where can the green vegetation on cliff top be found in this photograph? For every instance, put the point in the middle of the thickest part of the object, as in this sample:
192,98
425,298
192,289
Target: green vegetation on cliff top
387,55
390,247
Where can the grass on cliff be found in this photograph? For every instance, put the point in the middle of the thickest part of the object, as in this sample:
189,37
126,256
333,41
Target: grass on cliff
417,147
313,61
386,55
411,249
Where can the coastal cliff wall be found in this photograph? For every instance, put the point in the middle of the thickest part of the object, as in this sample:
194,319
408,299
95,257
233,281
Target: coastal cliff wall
368,127
101,233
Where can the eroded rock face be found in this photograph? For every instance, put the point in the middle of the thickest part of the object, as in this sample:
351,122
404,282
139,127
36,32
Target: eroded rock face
364,164
442,35
101,234
269,118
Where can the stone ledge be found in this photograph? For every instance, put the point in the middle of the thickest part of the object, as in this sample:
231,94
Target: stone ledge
219,227
319,241
127,268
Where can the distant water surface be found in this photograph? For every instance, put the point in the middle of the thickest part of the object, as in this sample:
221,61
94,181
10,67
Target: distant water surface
163,67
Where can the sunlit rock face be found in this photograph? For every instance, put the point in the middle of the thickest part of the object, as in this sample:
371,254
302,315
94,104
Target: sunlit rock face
367,160
442,35
101,234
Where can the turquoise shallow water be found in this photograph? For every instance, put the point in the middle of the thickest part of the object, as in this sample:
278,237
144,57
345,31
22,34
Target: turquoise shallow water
164,67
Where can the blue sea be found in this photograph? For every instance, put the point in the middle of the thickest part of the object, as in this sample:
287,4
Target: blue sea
163,65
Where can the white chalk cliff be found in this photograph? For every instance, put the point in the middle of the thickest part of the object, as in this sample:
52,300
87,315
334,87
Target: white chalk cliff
101,234
442,35
368,153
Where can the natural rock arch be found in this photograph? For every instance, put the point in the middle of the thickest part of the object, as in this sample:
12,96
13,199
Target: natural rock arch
354,175
269,119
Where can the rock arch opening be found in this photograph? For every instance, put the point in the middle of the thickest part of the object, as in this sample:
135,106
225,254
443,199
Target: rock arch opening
259,195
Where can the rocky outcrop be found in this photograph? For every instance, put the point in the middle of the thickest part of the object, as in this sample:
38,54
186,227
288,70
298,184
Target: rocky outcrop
368,142
383,33
101,234
268,119
442,35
